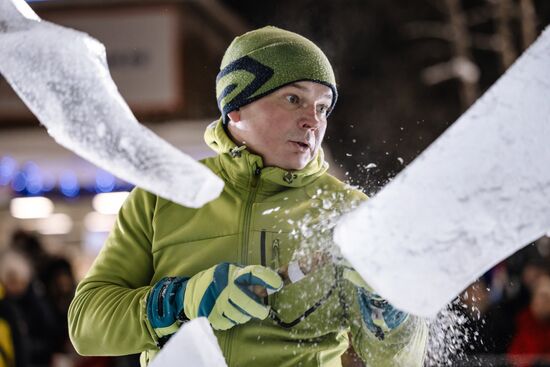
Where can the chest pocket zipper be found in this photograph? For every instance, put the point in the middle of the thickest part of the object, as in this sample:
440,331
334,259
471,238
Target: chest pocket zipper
263,260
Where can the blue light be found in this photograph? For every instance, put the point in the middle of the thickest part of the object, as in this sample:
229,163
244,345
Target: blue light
69,184
7,170
19,182
34,178
48,182
104,181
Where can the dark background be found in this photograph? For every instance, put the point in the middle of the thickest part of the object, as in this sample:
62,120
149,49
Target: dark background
387,113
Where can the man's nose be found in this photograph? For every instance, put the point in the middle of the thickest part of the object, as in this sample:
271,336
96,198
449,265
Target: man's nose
310,119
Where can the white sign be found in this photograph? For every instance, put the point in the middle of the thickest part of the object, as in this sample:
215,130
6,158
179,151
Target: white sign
143,51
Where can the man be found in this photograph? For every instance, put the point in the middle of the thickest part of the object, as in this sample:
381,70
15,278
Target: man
7,328
164,264
530,345
15,275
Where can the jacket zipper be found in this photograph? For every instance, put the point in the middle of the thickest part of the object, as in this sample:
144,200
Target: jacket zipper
248,210
246,229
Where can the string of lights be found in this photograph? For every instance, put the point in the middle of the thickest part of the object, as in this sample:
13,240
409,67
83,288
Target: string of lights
29,179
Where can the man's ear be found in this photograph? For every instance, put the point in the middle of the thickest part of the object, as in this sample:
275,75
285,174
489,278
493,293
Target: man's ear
235,115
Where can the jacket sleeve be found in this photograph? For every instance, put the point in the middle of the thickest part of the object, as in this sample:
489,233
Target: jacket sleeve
107,315
404,346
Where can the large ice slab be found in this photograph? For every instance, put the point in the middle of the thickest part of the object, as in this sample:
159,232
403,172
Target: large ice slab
62,76
193,345
479,193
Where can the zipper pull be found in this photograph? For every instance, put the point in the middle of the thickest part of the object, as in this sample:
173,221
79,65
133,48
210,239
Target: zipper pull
236,152
255,176
275,254
274,259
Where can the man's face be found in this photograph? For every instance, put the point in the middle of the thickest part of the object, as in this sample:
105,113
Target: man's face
540,304
285,127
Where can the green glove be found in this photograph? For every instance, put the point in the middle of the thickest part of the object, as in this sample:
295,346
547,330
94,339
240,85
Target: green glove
222,294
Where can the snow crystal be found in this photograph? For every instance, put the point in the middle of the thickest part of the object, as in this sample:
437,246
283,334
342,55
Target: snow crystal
63,78
447,337
475,196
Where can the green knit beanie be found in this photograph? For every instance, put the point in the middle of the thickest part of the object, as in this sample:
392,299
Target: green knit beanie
261,61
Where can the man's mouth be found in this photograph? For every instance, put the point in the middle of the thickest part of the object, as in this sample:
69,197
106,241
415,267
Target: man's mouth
302,145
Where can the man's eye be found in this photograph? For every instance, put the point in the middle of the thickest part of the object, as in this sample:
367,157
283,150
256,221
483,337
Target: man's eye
292,98
323,109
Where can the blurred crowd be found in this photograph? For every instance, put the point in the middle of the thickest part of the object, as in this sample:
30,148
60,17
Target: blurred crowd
507,311
36,289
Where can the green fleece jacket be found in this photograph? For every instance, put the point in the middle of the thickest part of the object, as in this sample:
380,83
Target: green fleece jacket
265,215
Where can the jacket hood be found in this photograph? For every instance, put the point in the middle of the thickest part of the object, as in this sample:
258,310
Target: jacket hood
240,164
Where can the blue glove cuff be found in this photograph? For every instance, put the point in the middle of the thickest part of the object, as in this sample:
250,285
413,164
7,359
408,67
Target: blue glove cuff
165,303
379,316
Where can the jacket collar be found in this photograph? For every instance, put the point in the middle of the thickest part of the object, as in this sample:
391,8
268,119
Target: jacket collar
239,165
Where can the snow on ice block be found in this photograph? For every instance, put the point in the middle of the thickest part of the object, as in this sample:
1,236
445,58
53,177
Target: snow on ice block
479,193
193,345
62,76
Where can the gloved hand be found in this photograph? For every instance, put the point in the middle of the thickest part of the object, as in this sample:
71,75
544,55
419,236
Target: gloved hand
379,316
222,294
